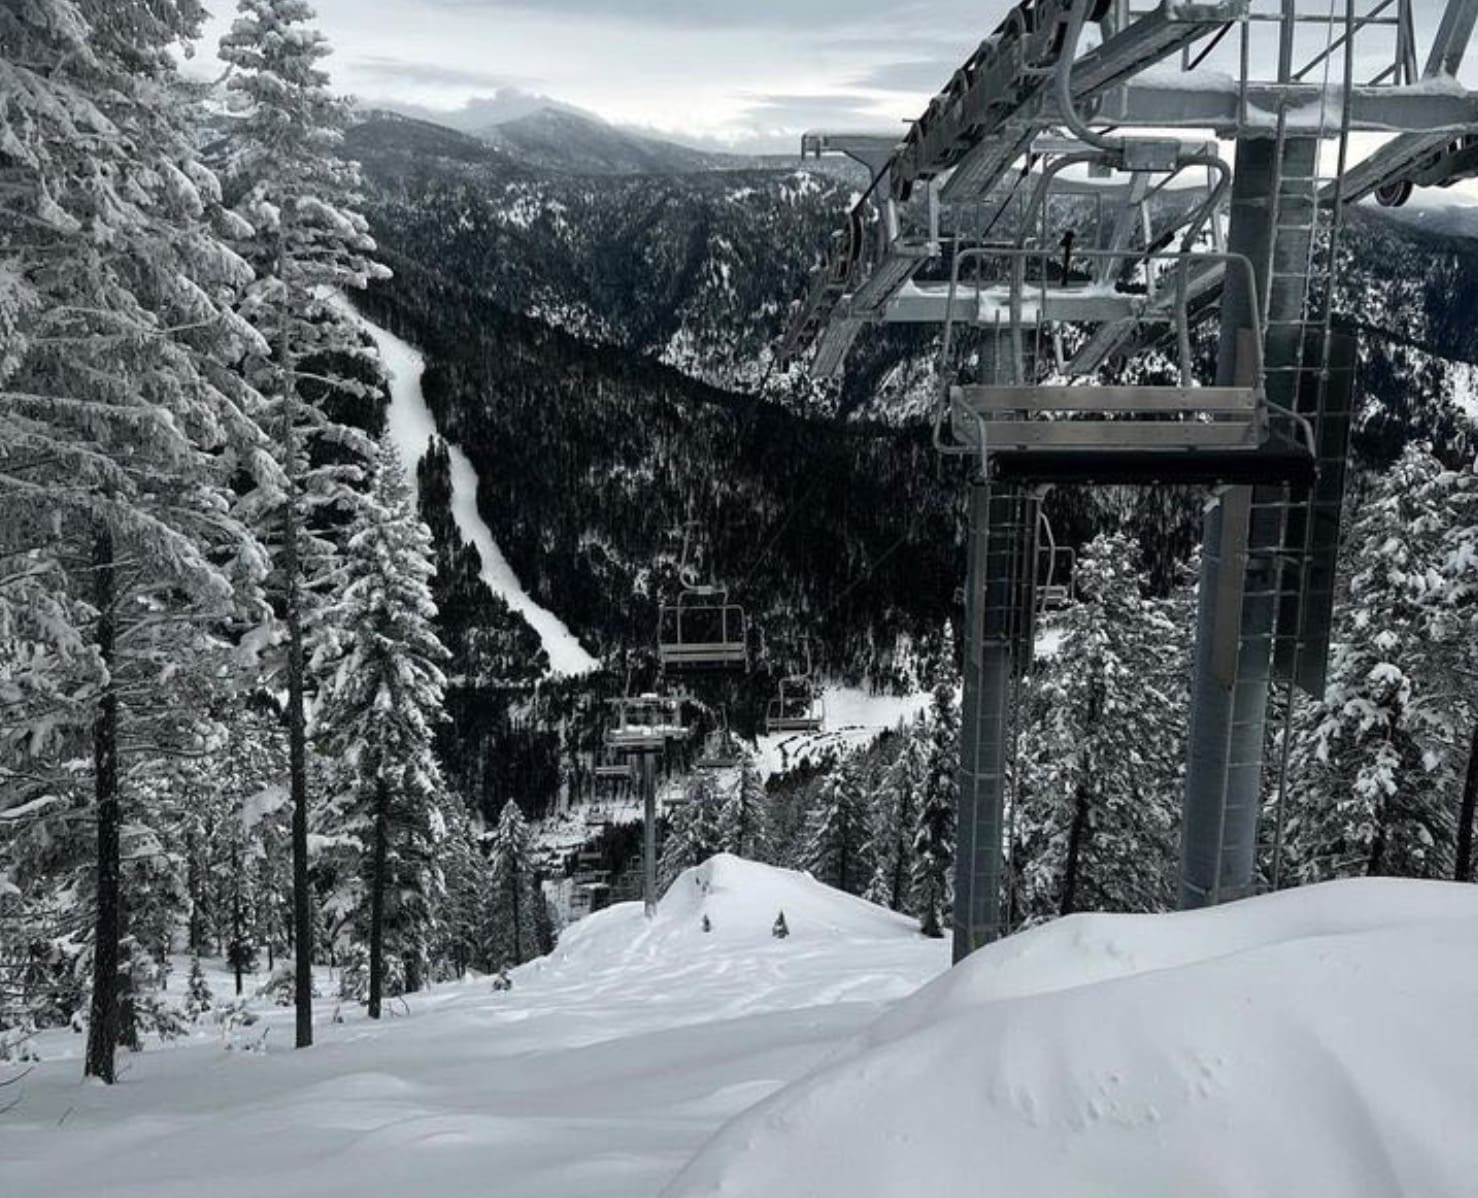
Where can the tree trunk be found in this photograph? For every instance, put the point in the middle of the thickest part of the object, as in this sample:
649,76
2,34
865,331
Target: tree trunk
297,738
238,949
377,901
516,886
102,1028
1075,837
1464,871
192,886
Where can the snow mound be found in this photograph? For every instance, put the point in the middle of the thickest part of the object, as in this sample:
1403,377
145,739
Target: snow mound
740,899
1311,1042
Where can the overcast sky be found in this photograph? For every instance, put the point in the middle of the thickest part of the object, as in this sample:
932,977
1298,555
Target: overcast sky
740,74
754,73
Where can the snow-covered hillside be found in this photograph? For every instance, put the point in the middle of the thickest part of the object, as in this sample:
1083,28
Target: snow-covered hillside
411,425
598,1075
1311,1042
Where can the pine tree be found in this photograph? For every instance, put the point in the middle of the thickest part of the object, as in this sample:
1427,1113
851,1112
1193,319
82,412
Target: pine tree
837,849
744,826
1377,765
511,932
934,835
694,833
377,718
121,422
293,197
1099,795
895,803
198,998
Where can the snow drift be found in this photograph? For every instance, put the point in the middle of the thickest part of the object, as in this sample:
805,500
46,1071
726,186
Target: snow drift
840,948
1312,1042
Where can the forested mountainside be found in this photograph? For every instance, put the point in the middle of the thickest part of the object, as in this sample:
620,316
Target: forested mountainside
592,460
596,346
700,270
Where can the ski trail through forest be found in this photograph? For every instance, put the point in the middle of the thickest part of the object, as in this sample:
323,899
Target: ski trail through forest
411,424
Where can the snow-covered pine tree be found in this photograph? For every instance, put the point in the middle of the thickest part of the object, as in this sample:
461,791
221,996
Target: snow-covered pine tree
895,804
1377,765
511,916
121,423
298,227
744,825
836,849
934,834
459,924
377,716
694,832
1099,795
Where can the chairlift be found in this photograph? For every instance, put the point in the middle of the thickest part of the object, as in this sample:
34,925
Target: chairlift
644,724
721,749
796,706
1057,571
701,630
1027,428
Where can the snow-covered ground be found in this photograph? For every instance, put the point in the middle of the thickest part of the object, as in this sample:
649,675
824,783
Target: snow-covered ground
598,1075
853,717
1317,1041
1309,1043
411,426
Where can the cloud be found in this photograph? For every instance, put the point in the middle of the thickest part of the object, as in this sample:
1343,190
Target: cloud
480,112
779,116
921,76
382,71
711,15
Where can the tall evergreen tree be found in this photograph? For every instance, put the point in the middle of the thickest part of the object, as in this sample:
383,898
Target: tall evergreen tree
1377,765
896,803
836,850
294,197
744,824
934,836
511,920
1099,794
121,424
382,701
694,832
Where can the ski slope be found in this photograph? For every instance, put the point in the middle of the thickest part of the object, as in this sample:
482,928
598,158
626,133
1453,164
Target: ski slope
410,426
597,1076
1315,1042
854,717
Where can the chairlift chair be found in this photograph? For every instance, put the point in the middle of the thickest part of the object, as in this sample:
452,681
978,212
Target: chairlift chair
1057,570
644,724
702,631
796,708
721,749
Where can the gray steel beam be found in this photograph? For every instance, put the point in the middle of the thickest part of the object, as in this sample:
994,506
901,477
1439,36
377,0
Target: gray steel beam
980,822
649,833
1373,109
929,303
1238,608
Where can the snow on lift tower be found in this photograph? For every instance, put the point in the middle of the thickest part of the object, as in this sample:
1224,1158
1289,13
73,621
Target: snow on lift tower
796,706
701,631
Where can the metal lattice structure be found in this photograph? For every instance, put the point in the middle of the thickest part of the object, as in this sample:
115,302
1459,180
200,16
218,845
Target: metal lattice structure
1118,303
640,729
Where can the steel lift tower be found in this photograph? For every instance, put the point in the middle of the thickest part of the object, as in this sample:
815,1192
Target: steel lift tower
1063,213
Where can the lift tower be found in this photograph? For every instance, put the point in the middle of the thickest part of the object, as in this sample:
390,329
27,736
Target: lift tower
1105,123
